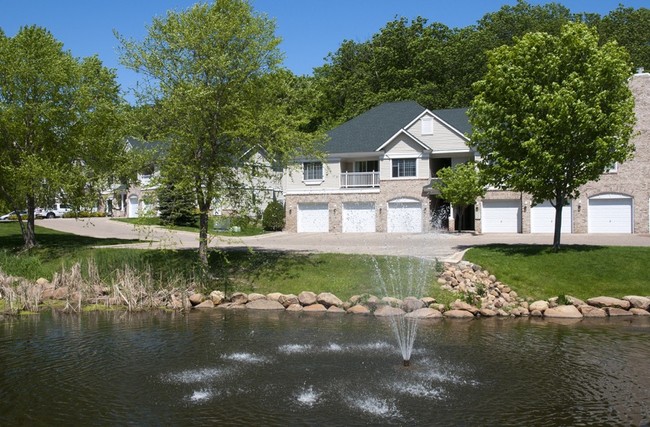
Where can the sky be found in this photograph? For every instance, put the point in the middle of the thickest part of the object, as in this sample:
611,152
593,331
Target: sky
310,29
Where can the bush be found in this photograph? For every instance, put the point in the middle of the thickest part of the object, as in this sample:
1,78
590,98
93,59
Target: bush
177,206
273,218
84,214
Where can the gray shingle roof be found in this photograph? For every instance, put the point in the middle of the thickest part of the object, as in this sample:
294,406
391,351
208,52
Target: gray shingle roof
368,131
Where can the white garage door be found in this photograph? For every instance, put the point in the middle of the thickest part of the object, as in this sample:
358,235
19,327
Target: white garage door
610,214
359,217
501,216
542,218
313,218
404,216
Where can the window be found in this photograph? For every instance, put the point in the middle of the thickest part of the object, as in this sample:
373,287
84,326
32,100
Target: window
366,166
403,167
427,125
312,171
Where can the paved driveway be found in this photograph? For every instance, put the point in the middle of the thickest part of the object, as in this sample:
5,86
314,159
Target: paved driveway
443,246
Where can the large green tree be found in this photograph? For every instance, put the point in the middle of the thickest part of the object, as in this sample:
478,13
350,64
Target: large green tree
217,92
60,124
552,113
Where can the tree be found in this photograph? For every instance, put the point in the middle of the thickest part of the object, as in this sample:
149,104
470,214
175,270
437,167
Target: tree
273,218
177,206
460,185
60,125
552,113
217,90
631,29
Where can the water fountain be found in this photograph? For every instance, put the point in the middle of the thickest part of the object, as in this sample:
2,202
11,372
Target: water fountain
403,277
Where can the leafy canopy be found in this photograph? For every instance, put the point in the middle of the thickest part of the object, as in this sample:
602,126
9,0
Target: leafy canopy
552,113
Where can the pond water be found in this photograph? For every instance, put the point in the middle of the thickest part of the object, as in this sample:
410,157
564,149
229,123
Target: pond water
243,367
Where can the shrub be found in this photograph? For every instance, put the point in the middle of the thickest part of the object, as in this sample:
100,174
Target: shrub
273,218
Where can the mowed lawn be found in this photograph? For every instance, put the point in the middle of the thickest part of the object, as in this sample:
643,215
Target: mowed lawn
535,271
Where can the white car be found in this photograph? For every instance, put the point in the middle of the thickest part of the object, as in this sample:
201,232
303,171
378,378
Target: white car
56,211
11,214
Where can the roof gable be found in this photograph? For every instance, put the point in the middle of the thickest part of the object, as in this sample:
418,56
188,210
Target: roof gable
375,128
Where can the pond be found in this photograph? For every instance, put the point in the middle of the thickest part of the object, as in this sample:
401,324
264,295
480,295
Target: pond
244,367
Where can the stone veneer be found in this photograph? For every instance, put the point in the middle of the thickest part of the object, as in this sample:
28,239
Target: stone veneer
389,190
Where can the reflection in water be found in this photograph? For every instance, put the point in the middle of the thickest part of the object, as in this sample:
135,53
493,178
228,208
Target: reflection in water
277,369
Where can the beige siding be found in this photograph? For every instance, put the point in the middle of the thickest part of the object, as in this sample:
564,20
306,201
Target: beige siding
293,178
443,139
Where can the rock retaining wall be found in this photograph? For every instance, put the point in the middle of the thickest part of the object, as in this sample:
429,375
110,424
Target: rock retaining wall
480,295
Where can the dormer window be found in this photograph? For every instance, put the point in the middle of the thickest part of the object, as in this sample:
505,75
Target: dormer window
427,125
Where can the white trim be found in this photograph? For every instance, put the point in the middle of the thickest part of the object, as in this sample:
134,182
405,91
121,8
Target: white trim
610,196
405,132
444,123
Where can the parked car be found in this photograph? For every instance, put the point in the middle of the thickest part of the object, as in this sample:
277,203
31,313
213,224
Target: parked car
11,215
56,211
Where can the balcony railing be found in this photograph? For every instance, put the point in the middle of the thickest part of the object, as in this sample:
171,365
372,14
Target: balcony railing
359,179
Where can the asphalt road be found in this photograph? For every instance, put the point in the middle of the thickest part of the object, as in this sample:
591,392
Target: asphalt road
443,246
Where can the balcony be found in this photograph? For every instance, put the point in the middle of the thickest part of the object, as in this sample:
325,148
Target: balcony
359,179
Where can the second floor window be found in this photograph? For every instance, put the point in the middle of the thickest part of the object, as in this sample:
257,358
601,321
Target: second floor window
312,171
403,168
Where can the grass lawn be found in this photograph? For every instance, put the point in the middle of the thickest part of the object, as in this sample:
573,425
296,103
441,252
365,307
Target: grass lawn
537,272
247,231
245,271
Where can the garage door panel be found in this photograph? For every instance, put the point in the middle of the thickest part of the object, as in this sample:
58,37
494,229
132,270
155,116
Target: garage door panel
542,218
610,215
405,217
359,217
501,216
313,218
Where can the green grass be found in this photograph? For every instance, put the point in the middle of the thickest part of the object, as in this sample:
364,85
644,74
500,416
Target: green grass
236,270
537,272
246,231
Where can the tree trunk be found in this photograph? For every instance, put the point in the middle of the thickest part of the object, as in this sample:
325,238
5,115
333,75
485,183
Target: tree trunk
559,204
29,235
203,239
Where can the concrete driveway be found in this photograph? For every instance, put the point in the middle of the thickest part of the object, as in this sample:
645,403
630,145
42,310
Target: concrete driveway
443,246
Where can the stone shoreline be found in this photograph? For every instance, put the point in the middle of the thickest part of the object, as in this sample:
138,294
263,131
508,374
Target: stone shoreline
480,295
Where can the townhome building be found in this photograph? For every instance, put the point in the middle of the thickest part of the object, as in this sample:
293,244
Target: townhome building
379,167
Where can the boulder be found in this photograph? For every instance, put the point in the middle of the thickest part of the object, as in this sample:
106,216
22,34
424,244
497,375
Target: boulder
616,312
638,302
563,312
239,298
294,307
255,297
536,313
47,294
575,301
197,298
314,308
424,313
288,299
428,301
373,302
358,309
486,312
307,298
335,309
639,312
539,306
411,304
264,304
462,305
387,311
393,302
591,311
328,299
42,282
217,297
60,293
205,304
458,314
274,296
234,306
603,302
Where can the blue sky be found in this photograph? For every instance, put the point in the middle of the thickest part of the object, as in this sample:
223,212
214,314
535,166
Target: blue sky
310,29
